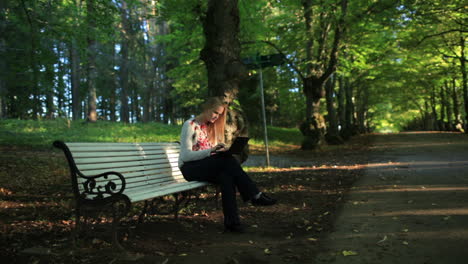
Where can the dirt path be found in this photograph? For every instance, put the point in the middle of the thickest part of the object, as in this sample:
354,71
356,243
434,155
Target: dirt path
411,206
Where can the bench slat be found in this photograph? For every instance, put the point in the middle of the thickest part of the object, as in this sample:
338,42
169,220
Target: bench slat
108,159
144,194
131,169
123,153
99,148
142,176
144,144
112,165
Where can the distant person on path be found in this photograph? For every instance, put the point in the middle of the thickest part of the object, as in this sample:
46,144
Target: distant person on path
201,159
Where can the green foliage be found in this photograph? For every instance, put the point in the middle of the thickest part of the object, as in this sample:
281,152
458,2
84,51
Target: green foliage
396,56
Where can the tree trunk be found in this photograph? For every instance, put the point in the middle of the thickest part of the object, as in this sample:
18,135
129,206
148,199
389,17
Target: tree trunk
49,91
348,128
124,74
464,80
362,109
37,109
314,126
75,80
221,55
3,66
113,86
92,53
341,103
434,112
448,107
455,102
332,135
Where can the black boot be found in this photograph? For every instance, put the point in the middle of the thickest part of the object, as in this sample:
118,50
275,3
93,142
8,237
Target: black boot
263,200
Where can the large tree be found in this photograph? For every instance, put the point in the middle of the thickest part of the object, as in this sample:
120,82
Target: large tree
221,55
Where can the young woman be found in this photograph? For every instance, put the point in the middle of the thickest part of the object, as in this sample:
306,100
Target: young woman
201,141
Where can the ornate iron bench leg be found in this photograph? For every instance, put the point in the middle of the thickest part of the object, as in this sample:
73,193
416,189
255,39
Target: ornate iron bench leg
119,209
77,227
176,206
218,190
141,217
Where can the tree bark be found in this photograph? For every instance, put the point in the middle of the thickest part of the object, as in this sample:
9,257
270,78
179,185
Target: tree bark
464,80
92,53
341,102
361,112
433,108
221,55
124,74
75,80
37,109
319,68
448,108
455,102
113,86
3,65
348,130
332,135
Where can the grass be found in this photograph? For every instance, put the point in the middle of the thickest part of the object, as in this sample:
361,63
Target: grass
41,134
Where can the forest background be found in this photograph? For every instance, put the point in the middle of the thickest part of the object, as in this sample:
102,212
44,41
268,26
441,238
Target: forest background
382,66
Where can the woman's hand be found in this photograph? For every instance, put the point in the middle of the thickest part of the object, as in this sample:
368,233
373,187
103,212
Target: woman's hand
218,148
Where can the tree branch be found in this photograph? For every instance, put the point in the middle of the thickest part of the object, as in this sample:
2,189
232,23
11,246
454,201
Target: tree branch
290,62
440,34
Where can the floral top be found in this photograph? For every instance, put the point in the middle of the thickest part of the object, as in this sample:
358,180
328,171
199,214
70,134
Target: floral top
194,143
200,141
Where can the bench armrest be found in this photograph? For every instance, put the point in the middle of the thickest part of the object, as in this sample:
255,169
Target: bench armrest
92,187
99,189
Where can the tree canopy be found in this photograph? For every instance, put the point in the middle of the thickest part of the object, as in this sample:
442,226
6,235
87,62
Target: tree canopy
389,65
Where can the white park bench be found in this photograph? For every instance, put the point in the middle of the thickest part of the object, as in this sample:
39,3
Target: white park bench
115,175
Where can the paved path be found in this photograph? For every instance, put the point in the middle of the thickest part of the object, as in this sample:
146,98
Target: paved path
411,206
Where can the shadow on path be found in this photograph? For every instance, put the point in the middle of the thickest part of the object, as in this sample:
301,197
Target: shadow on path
410,206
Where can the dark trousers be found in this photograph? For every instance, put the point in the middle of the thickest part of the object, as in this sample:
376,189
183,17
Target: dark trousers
225,171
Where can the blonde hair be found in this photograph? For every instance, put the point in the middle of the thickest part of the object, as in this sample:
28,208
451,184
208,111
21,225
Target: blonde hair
216,130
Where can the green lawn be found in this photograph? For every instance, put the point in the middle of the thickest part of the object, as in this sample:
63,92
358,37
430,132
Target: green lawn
41,134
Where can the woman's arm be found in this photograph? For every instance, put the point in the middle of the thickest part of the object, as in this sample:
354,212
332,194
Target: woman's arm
186,142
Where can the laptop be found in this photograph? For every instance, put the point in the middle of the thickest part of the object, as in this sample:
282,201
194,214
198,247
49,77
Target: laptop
237,146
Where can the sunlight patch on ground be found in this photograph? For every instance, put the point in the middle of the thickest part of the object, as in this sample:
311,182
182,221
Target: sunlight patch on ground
408,188
421,212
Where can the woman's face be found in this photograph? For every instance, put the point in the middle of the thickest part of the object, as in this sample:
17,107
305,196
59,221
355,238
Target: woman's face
213,114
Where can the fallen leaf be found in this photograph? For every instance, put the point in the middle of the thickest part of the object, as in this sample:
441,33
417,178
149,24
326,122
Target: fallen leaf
267,251
405,230
312,239
349,253
382,240
405,243
251,242
254,226
183,255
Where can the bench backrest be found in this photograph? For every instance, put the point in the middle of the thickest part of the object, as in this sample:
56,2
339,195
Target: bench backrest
142,164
